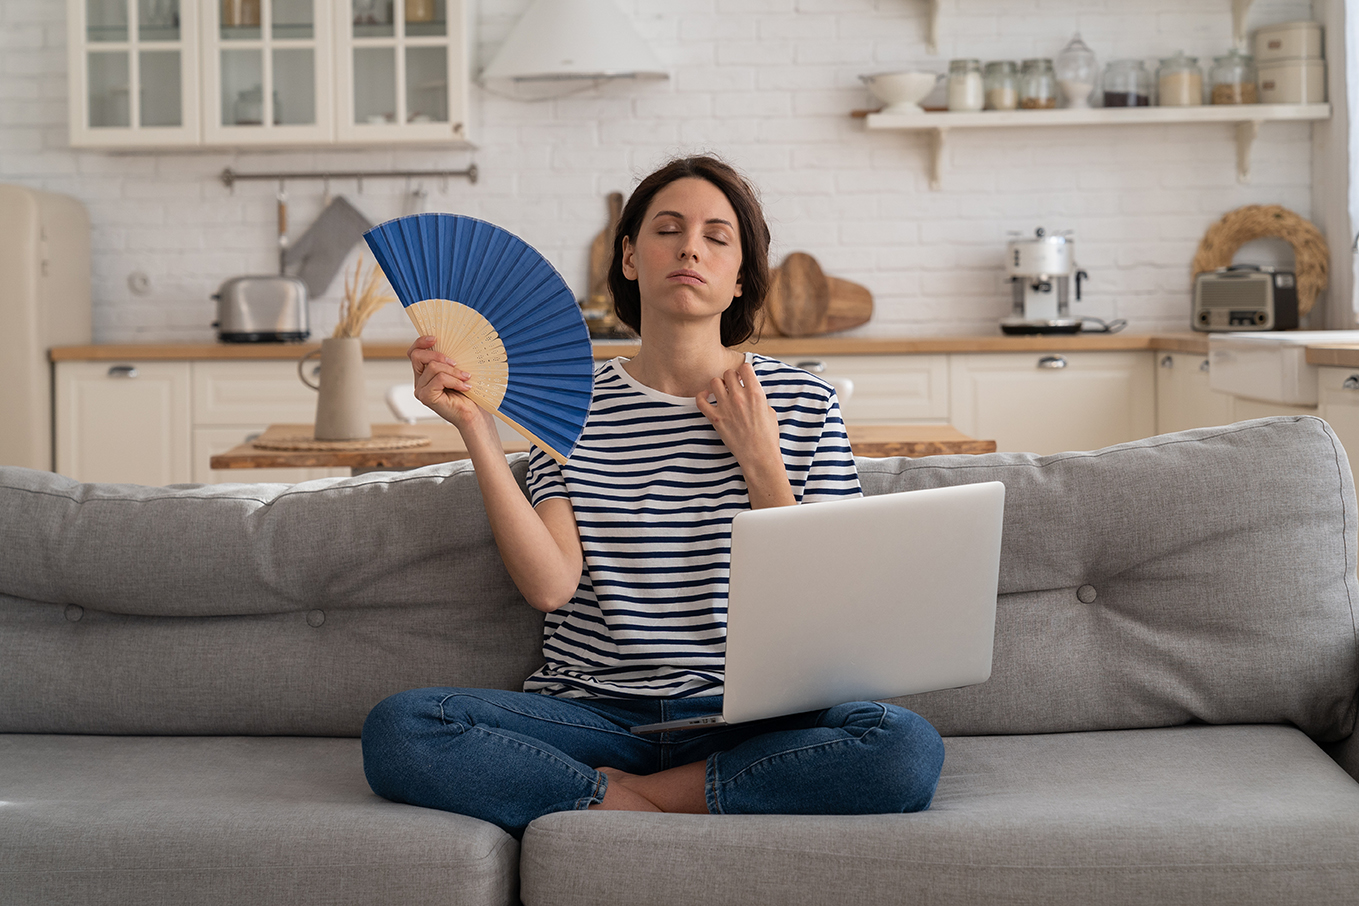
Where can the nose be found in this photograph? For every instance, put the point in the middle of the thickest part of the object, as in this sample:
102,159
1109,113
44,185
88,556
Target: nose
689,247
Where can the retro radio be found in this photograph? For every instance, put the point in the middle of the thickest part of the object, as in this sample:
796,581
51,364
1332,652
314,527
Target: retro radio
1245,297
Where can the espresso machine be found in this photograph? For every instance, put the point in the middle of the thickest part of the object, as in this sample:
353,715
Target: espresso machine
1041,269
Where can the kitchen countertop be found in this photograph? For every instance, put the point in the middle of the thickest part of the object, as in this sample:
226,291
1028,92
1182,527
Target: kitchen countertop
1345,356
607,349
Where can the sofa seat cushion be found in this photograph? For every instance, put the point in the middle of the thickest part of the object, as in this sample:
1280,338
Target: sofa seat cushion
188,820
1241,815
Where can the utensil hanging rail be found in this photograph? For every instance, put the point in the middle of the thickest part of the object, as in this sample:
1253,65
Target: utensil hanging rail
230,177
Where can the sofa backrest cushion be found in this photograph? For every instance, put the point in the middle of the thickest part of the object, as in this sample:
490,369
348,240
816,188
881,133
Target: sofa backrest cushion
1202,576
249,608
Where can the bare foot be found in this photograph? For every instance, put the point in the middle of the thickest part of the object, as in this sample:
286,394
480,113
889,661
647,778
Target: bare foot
618,796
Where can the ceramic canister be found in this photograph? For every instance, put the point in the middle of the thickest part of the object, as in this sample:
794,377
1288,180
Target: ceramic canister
1289,41
1292,82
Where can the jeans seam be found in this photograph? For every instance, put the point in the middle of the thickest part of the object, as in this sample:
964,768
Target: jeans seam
542,753
547,720
820,745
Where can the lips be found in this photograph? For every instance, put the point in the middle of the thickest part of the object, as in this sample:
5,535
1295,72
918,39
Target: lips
685,275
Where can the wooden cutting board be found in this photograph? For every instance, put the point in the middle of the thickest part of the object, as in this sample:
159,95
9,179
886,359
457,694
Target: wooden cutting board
601,250
803,299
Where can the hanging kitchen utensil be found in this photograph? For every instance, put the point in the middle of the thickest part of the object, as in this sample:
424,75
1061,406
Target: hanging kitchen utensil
317,256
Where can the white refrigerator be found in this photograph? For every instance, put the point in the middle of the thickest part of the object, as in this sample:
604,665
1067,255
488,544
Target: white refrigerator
44,302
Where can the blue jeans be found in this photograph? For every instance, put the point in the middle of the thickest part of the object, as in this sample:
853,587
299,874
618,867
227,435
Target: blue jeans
509,757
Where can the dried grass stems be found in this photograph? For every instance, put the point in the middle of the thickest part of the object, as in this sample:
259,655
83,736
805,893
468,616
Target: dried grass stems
355,310
1261,221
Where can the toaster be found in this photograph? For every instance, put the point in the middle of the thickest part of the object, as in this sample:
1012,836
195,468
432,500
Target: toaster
1245,297
262,310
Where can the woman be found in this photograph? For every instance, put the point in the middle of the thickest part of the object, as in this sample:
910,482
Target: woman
626,549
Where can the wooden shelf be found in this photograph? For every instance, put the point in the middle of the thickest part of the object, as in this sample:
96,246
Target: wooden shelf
1246,118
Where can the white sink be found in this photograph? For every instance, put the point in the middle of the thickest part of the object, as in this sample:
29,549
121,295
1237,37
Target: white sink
1269,366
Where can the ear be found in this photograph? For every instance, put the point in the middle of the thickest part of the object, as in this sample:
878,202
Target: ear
629,266
738,289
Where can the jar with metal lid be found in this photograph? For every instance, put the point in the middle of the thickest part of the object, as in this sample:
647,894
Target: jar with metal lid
1002,85
1037,85
1127,84
1233,79
1179,81
965,88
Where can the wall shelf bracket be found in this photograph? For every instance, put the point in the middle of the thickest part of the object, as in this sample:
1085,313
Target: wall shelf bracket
938,139
1240,8
932,32
1246,133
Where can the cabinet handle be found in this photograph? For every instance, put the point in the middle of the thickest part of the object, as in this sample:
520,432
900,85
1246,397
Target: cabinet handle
1054,362
1167,362
123,371
1205,365
1351,382
813,366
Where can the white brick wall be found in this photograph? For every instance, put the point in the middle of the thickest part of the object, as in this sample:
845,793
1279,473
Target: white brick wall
766,83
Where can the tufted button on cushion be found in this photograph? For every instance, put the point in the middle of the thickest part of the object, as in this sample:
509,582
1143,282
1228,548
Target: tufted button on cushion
315,618
74,612
1086,594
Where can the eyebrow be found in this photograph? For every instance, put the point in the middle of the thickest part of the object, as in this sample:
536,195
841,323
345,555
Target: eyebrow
681,217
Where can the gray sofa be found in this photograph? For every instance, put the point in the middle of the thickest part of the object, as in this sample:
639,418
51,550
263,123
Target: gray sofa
184,672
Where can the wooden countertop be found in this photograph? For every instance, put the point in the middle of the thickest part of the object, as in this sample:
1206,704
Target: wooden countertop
607,349
446,445
1342,355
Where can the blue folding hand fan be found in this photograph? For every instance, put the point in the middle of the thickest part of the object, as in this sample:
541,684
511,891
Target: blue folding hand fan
502,312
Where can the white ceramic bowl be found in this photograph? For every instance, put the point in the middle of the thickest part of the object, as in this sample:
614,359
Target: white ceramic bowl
902,92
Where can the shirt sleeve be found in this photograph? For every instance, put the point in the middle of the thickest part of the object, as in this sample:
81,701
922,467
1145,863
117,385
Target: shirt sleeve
544,478
832,474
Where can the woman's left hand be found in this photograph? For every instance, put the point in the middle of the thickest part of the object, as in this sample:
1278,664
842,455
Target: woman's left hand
749,427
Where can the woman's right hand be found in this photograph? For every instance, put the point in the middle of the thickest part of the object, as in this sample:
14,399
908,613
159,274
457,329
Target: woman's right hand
442,386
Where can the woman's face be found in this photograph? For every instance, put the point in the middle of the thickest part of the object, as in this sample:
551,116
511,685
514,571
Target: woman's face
687,255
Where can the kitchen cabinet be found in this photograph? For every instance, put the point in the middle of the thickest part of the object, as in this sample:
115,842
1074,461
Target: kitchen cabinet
886,389
161,422
1338,394
267,73
1051,402
1183,398
124,422
133,73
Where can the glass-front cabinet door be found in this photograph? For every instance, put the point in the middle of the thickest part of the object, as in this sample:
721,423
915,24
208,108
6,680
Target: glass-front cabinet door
402,71
267,72
134,72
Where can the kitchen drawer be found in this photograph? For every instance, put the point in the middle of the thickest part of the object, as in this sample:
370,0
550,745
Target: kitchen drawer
270,392
888,389
1051,402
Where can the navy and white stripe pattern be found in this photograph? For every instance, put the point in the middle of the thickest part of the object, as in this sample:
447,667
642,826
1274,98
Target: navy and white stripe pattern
654,491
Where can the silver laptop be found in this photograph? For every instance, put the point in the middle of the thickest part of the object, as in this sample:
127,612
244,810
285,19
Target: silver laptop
859,599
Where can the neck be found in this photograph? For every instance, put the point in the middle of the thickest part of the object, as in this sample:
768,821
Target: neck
681,362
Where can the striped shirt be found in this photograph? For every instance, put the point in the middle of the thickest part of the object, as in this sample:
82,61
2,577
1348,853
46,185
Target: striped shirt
654,491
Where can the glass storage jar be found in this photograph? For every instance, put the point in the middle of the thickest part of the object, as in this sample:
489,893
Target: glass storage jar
1037,85
1002,85
1076,70
1233,79
1179,82
965,89
1127,84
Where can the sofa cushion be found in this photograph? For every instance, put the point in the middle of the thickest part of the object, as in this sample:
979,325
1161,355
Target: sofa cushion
1241,815
269,609
1201,576
90,819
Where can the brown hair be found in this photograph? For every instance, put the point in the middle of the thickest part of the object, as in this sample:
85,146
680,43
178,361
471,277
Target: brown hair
738,321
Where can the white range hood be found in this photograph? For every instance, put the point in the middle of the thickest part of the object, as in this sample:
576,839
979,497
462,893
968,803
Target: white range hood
1269,366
